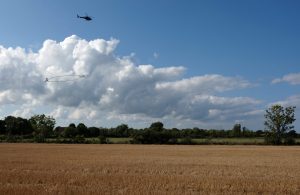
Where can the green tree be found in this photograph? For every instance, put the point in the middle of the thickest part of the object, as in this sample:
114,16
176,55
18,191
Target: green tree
2,127
71,131
155,134
82,129
17,126
278,123
157,126
72,125
43,125
11,125
58,131
94,132
236,130
122,130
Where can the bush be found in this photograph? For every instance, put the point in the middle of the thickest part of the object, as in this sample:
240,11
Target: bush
79,139
186,141
2,138
289,141
173,141
39,138
70,132
137,138
272,139
102,139
11,138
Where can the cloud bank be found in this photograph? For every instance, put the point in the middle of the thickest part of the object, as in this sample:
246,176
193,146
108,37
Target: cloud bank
115,88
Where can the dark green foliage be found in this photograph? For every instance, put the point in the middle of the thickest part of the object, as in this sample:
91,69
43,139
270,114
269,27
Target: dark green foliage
173,140
195,133
157,126
259,133
186,141
79,139
289,140
236,130
82,130
43,125
2,138
102,139
17,126
155,134
11,138
247,133
278,124
2,127
137,138
70,132
58,131
93,132
270,139
39,138
72,125
122,131
39,128
291,133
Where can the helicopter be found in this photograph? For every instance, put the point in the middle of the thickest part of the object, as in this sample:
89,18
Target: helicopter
64,78
86,17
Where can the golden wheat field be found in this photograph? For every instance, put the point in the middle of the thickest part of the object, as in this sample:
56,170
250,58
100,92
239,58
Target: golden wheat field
148,169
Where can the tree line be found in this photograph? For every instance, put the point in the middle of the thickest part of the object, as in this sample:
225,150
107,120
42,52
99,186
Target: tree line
41,127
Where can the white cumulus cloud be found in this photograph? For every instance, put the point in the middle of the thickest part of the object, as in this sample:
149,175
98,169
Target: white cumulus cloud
114,87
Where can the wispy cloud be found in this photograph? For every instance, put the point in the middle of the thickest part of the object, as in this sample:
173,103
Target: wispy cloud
290,101
293,78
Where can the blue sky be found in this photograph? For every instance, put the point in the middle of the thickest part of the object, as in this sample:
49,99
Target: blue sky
255,41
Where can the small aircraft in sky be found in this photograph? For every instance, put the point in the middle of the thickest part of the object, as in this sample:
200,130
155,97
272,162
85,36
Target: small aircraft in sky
64,78
86,17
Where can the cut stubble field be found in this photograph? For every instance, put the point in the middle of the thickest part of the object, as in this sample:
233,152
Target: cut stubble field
148,169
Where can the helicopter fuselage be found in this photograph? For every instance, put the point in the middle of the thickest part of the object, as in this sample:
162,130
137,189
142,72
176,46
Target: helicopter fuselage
88,18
